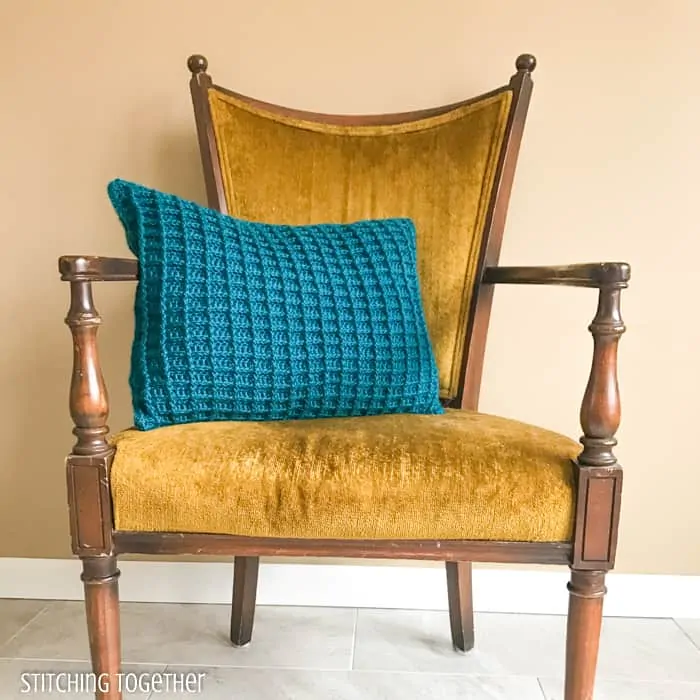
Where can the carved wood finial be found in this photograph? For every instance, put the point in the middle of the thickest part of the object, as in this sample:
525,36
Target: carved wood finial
600,409
197,64
89,404
526,62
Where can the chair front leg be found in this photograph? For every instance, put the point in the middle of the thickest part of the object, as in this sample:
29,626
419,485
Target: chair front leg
100,579
586,592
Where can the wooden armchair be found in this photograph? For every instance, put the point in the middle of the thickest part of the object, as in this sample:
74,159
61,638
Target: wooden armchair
515,493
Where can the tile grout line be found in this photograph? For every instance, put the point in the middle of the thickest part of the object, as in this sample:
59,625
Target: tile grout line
163,670
154,664
34,617
689,638
354,640
368,671
42,659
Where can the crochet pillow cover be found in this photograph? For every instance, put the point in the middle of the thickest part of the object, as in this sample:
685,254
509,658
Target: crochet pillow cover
239,320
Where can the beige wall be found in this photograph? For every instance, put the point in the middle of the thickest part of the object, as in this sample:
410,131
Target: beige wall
95,90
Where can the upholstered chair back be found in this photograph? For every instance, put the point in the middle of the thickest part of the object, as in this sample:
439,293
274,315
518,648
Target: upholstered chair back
442,168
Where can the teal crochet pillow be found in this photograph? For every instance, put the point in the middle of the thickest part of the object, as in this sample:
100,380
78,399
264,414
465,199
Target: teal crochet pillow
236,320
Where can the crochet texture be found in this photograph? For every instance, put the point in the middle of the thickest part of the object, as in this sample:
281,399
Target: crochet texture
236,320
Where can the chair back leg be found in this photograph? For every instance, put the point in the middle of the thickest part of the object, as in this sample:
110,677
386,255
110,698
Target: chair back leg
100,576
586,592
245,586
459,598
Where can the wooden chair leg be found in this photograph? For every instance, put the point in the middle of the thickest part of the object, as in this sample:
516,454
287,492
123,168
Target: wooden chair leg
459,598
100,576
586,592
245,585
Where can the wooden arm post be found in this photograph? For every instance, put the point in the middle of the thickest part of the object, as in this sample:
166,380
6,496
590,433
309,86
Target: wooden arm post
599,474
600,409
89,403
87,467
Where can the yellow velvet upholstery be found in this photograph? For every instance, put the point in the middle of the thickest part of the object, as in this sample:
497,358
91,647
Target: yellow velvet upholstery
439,171
462,475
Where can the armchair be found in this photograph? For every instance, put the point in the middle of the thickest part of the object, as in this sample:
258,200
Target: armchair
450,169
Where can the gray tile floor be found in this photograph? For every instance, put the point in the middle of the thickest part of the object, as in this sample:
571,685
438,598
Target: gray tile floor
345,654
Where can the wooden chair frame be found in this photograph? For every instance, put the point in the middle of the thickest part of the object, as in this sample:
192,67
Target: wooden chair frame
590,554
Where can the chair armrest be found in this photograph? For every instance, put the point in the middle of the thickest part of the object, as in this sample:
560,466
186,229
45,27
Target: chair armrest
600,408
77,268
582,275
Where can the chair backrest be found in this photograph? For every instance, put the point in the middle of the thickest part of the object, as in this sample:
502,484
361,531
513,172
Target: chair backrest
450,169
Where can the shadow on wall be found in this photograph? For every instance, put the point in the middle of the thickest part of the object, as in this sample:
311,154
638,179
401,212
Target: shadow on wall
41,354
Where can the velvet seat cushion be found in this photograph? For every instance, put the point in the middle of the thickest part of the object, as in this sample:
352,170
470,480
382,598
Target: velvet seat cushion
460,475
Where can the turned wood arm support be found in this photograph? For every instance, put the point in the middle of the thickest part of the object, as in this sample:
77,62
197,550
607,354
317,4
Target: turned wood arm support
77,268
88,399
600,409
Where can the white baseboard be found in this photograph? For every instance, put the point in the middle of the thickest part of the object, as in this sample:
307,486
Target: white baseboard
368,586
